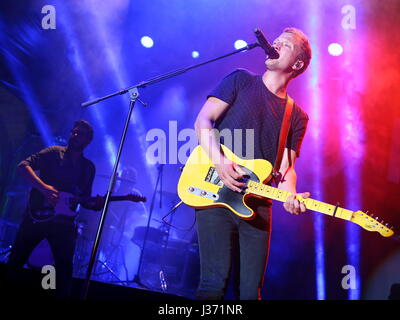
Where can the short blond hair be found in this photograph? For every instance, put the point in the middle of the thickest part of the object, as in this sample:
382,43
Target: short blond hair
305,54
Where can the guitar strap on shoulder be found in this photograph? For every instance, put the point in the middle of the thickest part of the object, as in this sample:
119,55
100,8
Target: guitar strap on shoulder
282,139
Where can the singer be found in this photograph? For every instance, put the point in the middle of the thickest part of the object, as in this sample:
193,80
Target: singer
243,100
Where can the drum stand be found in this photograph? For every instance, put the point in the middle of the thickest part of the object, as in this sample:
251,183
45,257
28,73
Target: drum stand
158,182
116,251
113,249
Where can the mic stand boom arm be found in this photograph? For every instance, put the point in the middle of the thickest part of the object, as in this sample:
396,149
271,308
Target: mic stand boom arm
167,76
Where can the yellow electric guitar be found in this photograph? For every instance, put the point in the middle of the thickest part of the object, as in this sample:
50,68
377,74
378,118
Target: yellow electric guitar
200,187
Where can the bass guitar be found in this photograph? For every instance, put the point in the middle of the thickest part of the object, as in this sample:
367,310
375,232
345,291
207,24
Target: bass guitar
67,204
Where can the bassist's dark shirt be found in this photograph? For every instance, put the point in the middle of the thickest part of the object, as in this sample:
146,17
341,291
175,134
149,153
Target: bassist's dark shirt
57,169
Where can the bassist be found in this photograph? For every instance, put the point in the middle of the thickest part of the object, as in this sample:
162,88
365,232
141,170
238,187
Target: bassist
60,169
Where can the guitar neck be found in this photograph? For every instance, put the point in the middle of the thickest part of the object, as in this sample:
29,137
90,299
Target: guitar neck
118,198
267,191
91,199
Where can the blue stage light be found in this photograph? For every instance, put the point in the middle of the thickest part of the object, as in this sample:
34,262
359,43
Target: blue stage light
147,42
335,49
239,44
195,54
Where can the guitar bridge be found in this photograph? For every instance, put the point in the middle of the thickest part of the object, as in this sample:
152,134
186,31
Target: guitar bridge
203,193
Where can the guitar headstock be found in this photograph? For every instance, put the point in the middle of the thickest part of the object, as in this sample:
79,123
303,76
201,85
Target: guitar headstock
135,197
371,224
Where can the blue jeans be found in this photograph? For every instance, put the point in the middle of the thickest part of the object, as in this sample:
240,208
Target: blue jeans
216,228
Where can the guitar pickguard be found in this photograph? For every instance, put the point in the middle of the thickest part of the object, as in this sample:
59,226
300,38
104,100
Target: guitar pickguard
235,199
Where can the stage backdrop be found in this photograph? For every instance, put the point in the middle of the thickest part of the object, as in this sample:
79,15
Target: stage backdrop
56,55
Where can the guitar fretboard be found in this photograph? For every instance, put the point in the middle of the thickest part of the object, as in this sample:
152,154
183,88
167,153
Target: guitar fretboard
267,191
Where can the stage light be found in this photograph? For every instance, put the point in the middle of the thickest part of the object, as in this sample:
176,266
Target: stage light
335,49
147,42
195,54
316,100
239,44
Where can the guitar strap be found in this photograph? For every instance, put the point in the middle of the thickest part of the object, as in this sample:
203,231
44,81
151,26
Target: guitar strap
277,176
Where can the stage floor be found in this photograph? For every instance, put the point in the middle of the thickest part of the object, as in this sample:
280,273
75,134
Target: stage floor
27,286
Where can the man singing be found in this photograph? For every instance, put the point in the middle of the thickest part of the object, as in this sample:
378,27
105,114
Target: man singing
246,101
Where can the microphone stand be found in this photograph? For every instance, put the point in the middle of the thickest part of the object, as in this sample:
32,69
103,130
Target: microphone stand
134,95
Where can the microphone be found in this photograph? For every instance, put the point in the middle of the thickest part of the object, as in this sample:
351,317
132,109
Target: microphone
264,44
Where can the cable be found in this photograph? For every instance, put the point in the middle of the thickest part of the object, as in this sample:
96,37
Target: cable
172,210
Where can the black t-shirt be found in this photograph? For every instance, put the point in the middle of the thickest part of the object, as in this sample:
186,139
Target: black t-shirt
253,106
56,169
